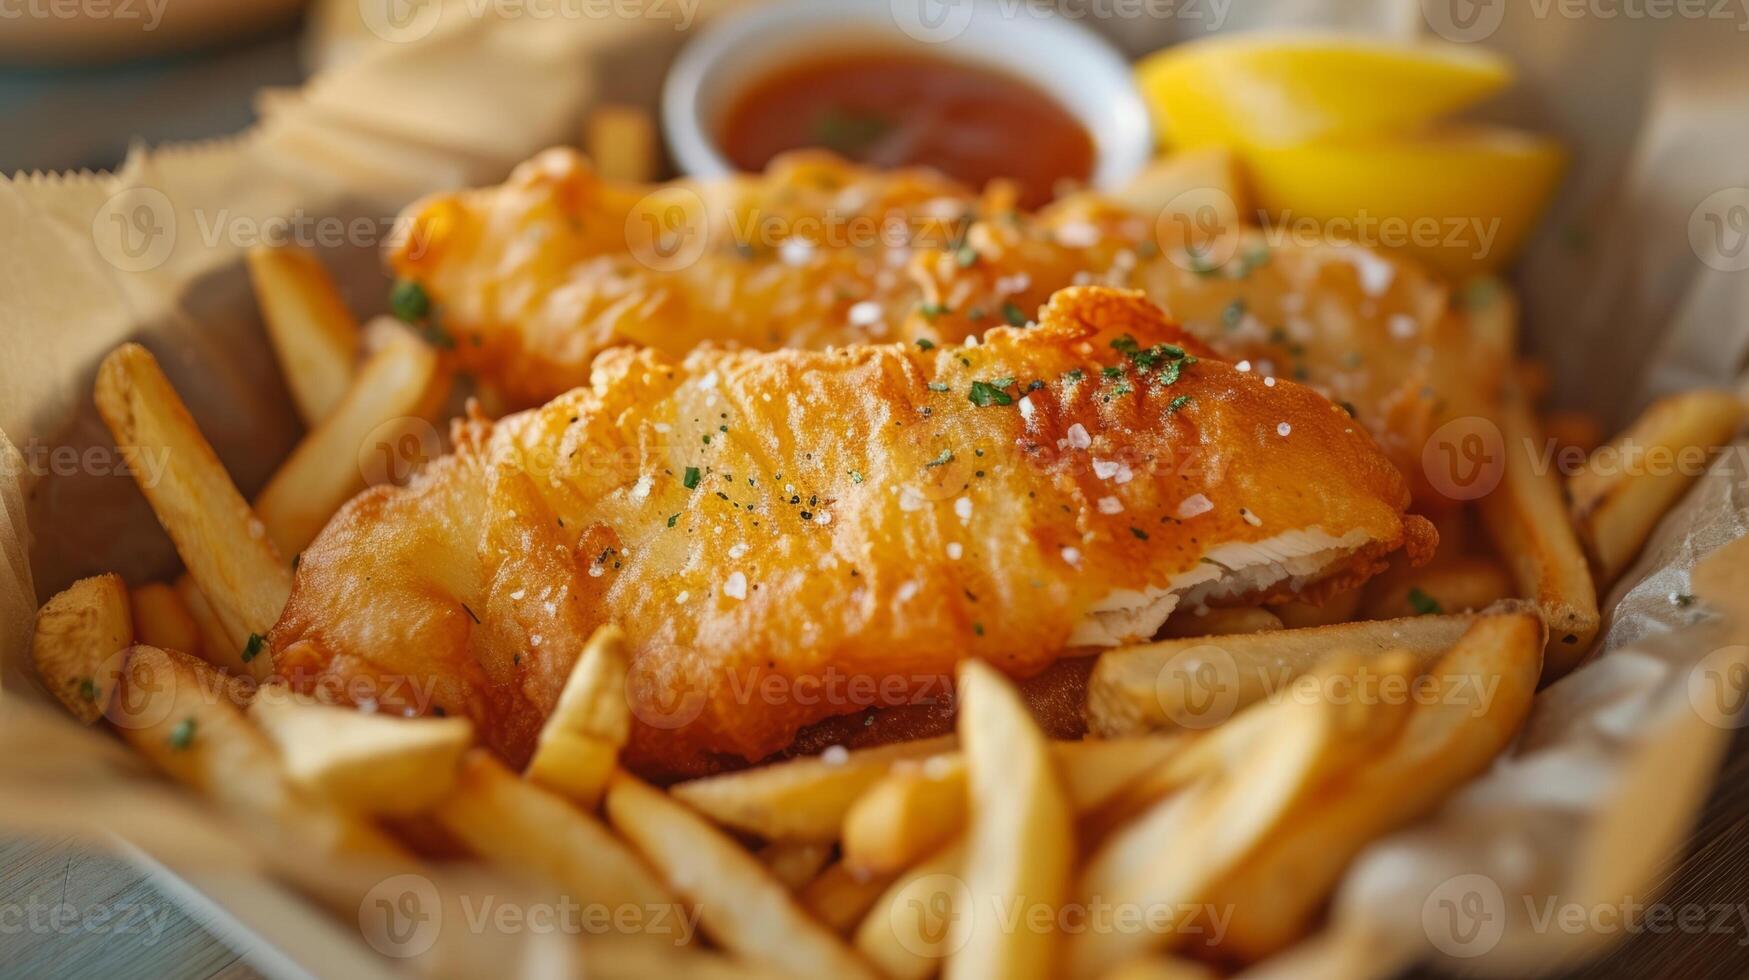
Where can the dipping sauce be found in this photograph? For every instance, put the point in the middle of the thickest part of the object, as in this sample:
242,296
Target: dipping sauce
894,109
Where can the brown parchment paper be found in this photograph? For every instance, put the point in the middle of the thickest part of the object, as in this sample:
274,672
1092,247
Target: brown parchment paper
1618,296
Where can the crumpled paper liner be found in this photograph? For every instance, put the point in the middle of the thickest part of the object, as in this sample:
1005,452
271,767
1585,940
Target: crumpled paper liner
1585,809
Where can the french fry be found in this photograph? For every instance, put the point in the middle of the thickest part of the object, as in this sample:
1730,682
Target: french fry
1221,622
1203,681
1450,585
323,472
741,906
1628,484
1574,430
215,644
1186,181
519,826
1020,842
220,539
370,763
841,895
186,717
312,331
801,799
621,142
579,745
795,863
162,620
79,634
1161,968
1526,515
905,934
921,806
1190,841
1485,686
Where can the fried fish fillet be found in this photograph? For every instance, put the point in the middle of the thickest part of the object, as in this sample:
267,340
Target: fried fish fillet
539,275
790,536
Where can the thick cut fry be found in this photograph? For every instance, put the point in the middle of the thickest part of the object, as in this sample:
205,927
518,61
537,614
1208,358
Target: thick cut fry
162,620
919,807
1202,186
1483,692
801,799
741,906
372,763
1574,430
80,633
795,863
1198,683
580,742
313,333
324,471
186,717
621,141
842,895
1628,484
1222,622
1020,842
1453,585
215,644
1526,515
1173,856
907,933
223,543
519,826
1162,968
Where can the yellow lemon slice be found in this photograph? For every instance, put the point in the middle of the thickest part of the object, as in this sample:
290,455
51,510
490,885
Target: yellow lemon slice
1271,89
1460,198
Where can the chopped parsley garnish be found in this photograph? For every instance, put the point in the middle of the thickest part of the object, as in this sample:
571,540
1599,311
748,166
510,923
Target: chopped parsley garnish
965,256
1423,604
978,628
1014,315
690,479
849,132
985,393
1234,312
707,438
1255,259
975,314
1200,263
932,310
1112,372
409,301
1073,374
252,649
1177,403
182,736
855,476
924,343
945,458
673,517
88,690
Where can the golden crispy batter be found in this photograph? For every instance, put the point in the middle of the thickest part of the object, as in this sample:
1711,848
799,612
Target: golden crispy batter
790,536
538,276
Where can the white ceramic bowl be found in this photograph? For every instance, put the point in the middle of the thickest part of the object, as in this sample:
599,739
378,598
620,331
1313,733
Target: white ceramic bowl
1087,76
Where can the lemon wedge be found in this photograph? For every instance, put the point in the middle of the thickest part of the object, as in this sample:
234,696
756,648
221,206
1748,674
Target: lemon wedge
1461,198
1271,89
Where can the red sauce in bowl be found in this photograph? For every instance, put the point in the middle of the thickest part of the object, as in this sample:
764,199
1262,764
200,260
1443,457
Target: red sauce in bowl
895,109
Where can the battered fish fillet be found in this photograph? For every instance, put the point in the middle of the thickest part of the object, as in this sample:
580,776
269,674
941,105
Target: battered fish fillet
787,537
539,275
